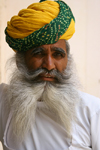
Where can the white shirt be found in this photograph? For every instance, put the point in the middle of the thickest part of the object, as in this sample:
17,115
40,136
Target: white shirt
48,134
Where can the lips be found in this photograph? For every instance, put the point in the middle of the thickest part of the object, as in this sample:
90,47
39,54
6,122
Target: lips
47,77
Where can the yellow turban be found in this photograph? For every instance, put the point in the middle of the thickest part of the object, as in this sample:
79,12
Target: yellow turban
42,21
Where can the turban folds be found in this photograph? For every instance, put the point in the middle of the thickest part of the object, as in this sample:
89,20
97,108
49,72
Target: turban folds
41,23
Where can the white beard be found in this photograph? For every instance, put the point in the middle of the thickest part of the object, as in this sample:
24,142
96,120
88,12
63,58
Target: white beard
23,95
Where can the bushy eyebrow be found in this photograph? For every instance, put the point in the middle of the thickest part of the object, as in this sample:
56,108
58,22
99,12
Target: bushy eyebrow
58,49
42,49
36,50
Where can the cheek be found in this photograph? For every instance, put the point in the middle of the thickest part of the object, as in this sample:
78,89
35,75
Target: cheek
65,64
33,64
62,64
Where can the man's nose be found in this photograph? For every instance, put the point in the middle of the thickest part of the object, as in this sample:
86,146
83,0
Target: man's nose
48,63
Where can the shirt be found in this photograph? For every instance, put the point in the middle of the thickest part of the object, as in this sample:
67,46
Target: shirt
47,133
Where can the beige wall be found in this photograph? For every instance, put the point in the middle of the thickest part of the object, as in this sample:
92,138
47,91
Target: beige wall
1,146
85,45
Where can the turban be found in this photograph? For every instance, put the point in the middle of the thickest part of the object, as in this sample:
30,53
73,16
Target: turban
41,23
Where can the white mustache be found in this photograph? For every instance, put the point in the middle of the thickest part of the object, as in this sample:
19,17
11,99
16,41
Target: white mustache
34,75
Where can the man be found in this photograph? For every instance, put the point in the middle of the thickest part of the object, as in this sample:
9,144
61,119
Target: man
41,108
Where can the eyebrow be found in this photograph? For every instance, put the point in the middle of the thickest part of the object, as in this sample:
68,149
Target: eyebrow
39,49
35,50
58,49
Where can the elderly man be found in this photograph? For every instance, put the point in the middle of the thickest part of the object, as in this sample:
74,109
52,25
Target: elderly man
41,108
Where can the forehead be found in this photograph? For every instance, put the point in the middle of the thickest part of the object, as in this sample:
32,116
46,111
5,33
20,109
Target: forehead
60,44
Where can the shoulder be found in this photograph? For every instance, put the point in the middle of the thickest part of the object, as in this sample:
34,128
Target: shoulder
90,102
4,108
2,86
3,97
3,90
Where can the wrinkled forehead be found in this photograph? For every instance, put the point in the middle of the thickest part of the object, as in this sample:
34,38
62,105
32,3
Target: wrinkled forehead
60,45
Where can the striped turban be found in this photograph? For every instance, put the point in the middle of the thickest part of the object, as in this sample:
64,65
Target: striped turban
41,23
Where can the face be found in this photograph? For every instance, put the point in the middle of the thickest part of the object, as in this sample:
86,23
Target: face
49,57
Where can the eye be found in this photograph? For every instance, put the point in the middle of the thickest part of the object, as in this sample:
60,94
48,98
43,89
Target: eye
38,52
58,55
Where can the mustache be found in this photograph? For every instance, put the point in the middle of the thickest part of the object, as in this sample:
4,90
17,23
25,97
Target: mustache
34,76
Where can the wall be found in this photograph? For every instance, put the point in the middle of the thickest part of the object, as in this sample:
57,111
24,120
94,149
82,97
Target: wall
85,45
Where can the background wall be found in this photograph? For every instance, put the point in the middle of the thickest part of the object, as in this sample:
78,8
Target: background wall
85,45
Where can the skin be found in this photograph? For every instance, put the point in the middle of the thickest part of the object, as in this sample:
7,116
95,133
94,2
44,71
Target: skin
50,56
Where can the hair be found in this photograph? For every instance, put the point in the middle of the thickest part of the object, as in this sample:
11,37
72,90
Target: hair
67,47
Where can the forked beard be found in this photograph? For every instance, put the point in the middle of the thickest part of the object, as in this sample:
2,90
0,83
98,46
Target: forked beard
61,96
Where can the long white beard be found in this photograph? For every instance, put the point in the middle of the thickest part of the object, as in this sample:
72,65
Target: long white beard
60,98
